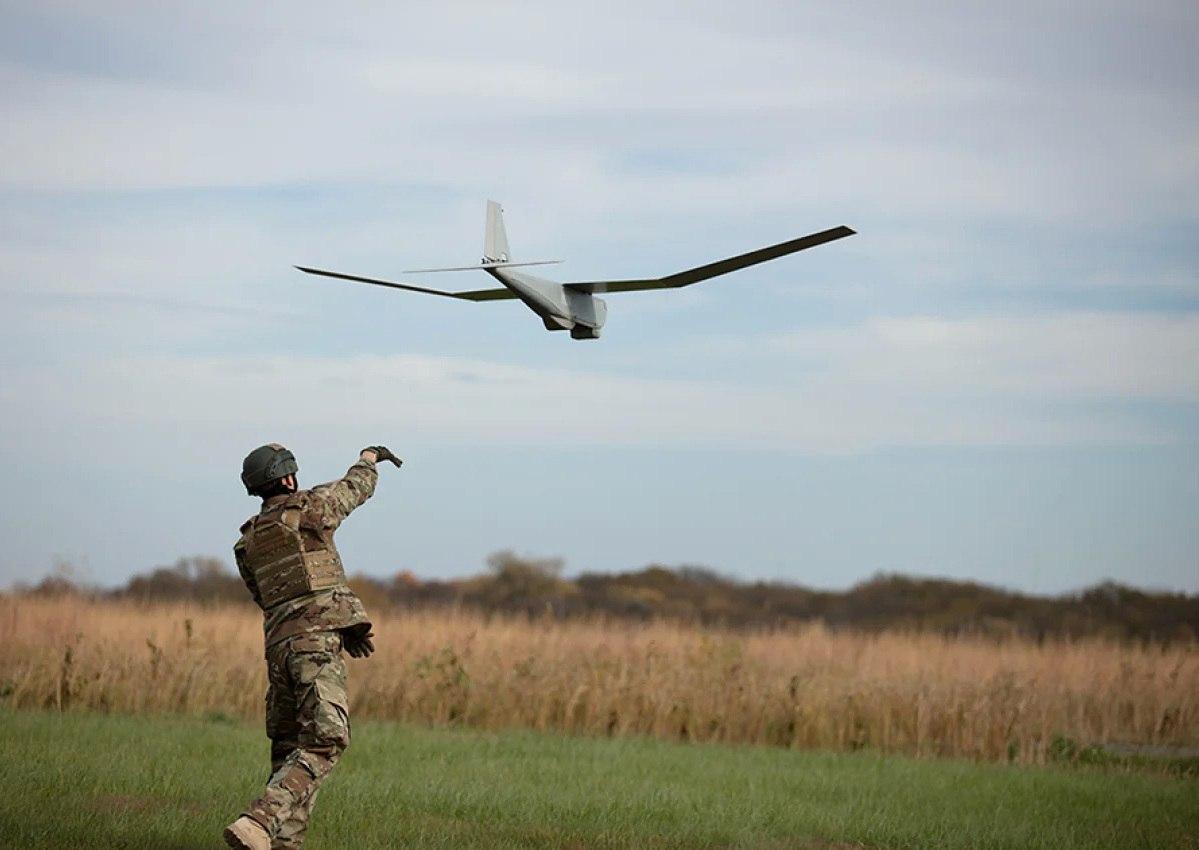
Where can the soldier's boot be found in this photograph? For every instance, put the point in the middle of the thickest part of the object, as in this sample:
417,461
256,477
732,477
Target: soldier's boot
245,833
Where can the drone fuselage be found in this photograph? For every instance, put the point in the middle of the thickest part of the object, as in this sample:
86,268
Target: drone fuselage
560,309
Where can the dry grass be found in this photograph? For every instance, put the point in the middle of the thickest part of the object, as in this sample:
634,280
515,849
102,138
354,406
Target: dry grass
806,687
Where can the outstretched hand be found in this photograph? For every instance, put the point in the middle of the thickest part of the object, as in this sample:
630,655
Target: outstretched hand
382,453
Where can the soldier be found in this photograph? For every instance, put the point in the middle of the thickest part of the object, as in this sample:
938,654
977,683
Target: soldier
287,559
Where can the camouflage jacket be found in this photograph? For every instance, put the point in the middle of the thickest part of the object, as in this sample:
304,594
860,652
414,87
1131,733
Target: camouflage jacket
322,509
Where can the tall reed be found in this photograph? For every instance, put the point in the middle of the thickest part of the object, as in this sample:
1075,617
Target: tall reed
798,687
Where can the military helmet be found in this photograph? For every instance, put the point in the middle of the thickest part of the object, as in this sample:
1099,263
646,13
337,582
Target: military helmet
266,464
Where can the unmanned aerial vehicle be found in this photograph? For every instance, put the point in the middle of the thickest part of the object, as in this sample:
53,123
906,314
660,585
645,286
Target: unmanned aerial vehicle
573,306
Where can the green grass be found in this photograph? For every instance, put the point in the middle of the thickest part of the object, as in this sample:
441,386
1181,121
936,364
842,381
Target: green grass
95,781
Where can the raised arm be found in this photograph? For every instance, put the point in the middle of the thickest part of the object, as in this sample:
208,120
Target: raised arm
336,500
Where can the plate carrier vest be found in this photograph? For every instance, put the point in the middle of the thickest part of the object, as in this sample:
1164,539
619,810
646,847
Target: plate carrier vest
281,567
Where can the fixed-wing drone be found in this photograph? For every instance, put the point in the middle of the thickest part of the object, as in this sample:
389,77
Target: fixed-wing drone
573,306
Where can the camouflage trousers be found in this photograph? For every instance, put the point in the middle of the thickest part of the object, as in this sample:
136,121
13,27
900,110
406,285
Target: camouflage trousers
308,722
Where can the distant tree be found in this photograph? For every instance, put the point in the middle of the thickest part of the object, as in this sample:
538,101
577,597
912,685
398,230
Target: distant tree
533,585
62,581
694,593
198,578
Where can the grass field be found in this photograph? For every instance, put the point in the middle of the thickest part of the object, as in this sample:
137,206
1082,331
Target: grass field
800,688
81,780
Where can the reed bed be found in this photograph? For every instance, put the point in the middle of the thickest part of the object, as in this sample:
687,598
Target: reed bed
804,687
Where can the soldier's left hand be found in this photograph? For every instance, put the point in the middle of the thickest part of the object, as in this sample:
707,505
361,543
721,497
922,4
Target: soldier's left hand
359,646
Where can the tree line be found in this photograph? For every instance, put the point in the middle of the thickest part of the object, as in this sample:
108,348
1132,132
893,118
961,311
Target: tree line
694,594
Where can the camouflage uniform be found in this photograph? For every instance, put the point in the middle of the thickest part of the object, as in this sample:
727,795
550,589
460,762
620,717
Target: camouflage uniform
307,710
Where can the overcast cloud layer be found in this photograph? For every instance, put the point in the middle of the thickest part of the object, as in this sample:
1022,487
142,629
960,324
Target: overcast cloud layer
997,379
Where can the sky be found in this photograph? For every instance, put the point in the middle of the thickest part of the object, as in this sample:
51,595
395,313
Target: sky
996,380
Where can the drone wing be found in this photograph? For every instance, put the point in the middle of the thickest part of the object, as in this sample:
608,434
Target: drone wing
732,264
474,295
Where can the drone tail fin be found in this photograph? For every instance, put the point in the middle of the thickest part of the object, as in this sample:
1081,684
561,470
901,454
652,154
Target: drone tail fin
495,240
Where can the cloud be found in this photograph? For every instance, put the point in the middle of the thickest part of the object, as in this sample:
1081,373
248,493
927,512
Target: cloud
1061,357
835,114
1070,380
